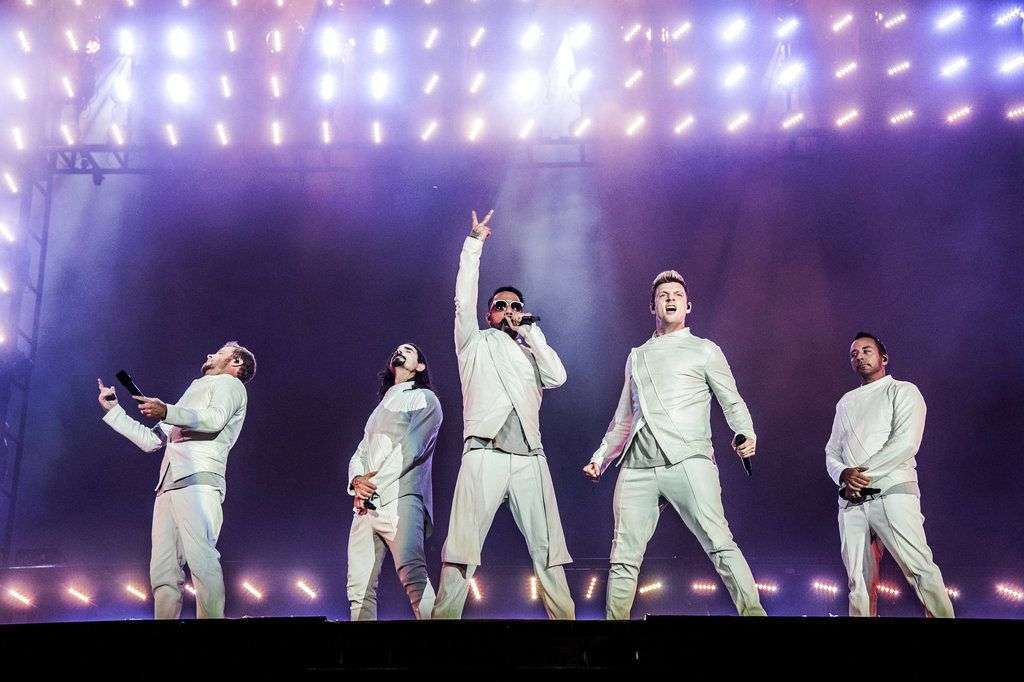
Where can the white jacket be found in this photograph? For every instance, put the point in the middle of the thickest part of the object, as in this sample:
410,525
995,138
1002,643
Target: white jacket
198,431
497,373
878,426
398,444
668,386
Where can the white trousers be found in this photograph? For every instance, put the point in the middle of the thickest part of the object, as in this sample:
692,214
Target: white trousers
514,478
186,523
693,489
399,526
894,523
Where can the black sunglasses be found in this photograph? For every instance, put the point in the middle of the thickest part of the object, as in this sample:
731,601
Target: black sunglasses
501,304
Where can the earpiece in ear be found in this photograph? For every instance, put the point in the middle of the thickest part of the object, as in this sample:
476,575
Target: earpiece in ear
689,307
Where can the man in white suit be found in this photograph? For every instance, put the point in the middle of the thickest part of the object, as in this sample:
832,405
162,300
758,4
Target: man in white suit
196,434
390,481
662,431
504,369
871,456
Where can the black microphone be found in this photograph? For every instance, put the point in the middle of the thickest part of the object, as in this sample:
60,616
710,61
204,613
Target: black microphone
529,319
125,379
740,440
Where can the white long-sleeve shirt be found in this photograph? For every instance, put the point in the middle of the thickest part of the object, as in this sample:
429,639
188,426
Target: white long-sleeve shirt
398,443
878,426
198,432
668,385
498,374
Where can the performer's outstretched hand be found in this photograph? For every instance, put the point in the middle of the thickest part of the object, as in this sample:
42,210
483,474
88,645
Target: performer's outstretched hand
362,486
107,397
592,471
154,408
480,229
748,448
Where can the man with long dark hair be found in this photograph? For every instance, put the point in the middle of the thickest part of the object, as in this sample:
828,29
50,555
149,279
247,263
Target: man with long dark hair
504,369
390,481
871,455
196,435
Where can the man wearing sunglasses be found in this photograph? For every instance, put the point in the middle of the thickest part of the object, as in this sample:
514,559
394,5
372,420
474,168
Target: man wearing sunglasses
504,370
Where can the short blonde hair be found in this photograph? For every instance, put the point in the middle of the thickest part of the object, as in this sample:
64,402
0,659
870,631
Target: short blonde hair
666,277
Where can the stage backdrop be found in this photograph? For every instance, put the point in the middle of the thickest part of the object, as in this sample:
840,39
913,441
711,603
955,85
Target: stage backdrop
786,256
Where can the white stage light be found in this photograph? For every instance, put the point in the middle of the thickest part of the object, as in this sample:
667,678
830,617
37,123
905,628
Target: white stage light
326,135
478,36
1007,17
846,69
632,32
328,87
580,80
825,587
71,39
26,47
380,41
330,42
533,588
10,182
953,592
172,134
703,587
895,21
531,38
275,86
791,74
842,23
222,136
429,130
1012,65
901,117
232,41
898,68
19,596
276,133
767,588
684,124
682,30
527,129
582,127
738,122
122,89
126,42
950,19
788,28
431,83
792,121
1015,113
684,76
117,134
633,78
18,138
78,594
591,585
476,127
888,590
431,40
579,35
65,132
69,89
474,586
477,83
253,591
305,589
276,40
650,587
635,124
191,590
526,86
135,592
179,43
847,118
380,84
954,67
734,76
178,88
225,86
958,115
734,29
377,132
19,89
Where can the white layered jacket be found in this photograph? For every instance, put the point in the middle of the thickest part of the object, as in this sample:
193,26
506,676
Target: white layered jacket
199,430
668,385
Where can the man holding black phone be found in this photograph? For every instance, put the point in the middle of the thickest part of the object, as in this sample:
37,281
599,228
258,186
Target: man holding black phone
196,434
871,456
662,432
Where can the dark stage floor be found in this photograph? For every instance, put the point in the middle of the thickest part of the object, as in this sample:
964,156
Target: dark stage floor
820,648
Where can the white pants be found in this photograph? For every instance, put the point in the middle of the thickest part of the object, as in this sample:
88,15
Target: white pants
692,488
186,523
401,527
517,479
895,523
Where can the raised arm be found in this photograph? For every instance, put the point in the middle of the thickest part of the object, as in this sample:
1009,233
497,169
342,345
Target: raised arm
467,282
905,435
145,438
227,396
552,371
618,430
